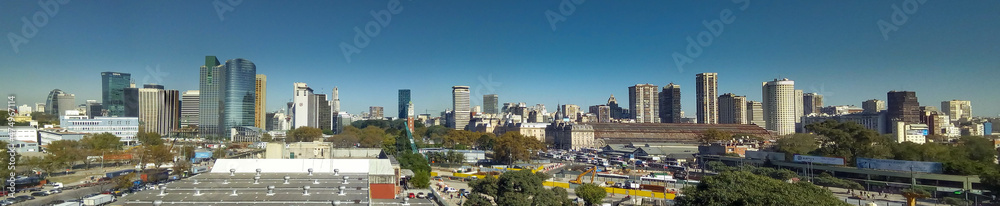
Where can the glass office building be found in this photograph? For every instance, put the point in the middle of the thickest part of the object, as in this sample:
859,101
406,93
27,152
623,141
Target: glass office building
404,103
113,86
210,98
238,94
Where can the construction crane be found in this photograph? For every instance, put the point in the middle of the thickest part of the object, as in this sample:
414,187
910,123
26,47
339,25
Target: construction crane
409,136
579,179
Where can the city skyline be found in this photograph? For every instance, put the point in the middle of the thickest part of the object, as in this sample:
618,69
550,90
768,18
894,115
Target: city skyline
909,56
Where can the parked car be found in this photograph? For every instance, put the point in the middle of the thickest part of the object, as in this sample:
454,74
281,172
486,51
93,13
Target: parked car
421,195
55,191
39,194
411,195
24,198
5,202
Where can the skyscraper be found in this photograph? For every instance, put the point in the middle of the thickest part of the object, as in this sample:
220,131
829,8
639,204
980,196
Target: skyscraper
159,109
260,101
94,109
403,103
460,104
644,102
324,118
301,115
957,109
490,104
872,106
58,101
799,110
779,106
336,101
707,89
755,113
210,84
732,109
670,104
113,86
617,112
811,103
902,106
189,108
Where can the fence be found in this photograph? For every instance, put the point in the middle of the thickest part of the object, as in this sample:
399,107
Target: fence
612,190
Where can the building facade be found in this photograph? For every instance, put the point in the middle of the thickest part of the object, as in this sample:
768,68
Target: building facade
799,110
189,108
902,107
570,136
113,86
670,104
403,104
957,109
301,115
732,109
125,128
707,89
811,103
644,103
755,113
58,102
490,104
779,106
210,85
460,107
159,109
375,112
260,101
873,106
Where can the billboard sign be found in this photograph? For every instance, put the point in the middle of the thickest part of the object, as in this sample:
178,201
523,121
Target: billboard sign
203,155
900,165
819,160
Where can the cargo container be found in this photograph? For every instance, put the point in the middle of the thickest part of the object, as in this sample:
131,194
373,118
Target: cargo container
119,173
101,199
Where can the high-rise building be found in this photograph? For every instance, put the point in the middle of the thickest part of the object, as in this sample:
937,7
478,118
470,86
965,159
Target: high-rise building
755,113
569,111
603,113
799,110
670,104
902,107
40,107
957,109
113,86
779,106
732,109
460,106
644,102
226,96
58,102
375,112
617,112
189,108
324,118
490,104
707,89
260,101
872,106
336,101
811,103
210,85
301,115
403,103
159,109
94,109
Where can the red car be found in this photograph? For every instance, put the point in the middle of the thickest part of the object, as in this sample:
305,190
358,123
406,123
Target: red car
411,195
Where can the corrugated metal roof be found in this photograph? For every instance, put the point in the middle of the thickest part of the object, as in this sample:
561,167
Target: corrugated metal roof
380,167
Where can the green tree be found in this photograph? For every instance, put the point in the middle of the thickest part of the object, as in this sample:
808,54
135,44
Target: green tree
372,137
517,188
437,133
65,153
266,137
591,193
44,118
512,146
149,138
157,154
745,188
797,144
850,140
181,167
101,142
828,180
476,199
713,135
124,181
327,132
486,141
347,138
304,134
991,180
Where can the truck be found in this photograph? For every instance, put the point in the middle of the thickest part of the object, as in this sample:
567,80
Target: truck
69,204
118,173
101,199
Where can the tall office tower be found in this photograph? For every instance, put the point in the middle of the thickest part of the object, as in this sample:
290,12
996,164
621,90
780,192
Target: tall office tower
53,105
670,104
616,111
902,106
40,107
460,104
336,100
269,118
799,111
94,109
707,89
644,102
189,108
159,109
873,106
811,103
403,103
324,117
732,109
779,106
569,111
113,86
260,101
210,84
238,94
301,116
131,96
375,112
66,101
603,113
490,104
755,113
957,109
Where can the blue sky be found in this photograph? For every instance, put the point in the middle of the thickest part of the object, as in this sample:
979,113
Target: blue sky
943,51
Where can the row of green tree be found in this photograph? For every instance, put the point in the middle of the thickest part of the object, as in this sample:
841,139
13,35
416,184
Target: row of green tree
749,185
525,188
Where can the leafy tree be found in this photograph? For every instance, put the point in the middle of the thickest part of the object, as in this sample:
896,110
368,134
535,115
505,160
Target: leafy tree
828,180
44,118
421,170
486,141
372,137
65,153
188,152
149,138
850,140
475,199
938,138
797,144
512,146
5,157
591,193
101,142
745,188
266,137
437,132
327,132
991,180
180,167
421,179
977,148
157,154
388,144
516,188
304,134
124,181
713,135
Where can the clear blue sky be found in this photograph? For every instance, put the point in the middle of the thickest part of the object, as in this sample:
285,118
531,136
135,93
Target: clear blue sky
945,50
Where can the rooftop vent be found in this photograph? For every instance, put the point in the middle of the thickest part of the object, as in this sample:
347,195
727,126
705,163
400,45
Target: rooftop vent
163,190
157,202
197,192
258,171
341,193
336,172
315,181
305,190
286,179
335,202
270,190
232,172
234,193
195,182
225,182
310,171
345,179
256,180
